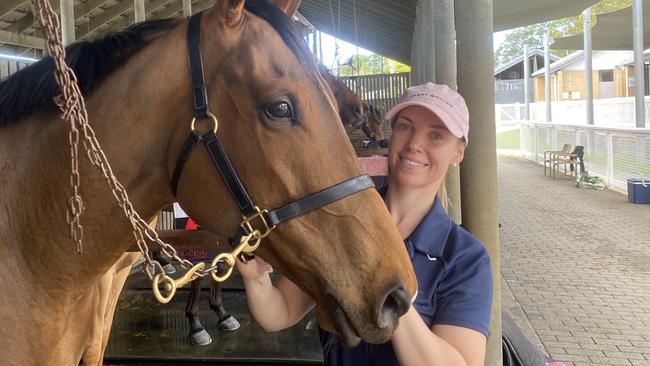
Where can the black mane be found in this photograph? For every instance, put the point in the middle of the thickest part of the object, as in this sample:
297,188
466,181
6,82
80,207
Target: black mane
31,89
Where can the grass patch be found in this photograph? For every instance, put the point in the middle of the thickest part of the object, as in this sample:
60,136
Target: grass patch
509,140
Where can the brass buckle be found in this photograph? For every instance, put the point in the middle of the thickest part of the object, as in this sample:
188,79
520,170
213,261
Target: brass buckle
246,222
214,122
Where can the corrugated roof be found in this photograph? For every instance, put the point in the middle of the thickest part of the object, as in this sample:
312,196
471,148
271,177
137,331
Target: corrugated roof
531,53
646,58
382,26
386,26
561,63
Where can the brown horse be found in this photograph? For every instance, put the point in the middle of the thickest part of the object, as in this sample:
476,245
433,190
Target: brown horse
373,122
275,118
106,297
349,103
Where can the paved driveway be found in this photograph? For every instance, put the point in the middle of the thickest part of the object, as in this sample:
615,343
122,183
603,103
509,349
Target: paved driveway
575,266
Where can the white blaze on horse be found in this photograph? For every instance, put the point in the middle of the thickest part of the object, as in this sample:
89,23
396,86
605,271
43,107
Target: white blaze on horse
275,123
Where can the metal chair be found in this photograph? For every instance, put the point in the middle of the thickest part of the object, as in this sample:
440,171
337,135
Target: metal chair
573,158
549,157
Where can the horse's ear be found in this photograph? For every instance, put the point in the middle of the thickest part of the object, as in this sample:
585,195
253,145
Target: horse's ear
289,7
231,11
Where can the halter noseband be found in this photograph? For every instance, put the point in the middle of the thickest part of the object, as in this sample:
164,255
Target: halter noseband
220,159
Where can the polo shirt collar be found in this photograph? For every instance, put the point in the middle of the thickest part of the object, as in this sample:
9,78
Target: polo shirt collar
431,234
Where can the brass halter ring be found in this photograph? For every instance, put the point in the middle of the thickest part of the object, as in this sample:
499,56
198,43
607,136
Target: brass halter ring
212,117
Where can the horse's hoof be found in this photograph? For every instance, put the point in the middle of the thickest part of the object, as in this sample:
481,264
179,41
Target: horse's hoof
169,268
230,323
200,338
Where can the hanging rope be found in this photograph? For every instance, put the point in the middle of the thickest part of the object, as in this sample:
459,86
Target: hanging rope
356,35
336,26
72,105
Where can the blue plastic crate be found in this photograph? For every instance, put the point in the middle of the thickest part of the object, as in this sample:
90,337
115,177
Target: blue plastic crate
638,190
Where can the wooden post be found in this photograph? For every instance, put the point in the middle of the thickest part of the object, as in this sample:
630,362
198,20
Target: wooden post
187,8
423,58
474,19
138,11
67,22
444,29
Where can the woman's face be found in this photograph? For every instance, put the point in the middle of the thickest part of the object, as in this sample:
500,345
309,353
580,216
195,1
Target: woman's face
421,148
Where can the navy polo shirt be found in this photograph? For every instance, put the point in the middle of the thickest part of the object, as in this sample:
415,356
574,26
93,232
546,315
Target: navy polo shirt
454,287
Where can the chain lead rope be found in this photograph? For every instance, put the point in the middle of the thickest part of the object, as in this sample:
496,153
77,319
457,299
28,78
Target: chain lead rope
73,108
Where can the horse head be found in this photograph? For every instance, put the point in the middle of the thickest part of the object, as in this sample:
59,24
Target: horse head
274,113
373,122
349,103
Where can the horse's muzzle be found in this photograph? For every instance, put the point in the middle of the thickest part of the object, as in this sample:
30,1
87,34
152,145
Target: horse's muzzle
395,305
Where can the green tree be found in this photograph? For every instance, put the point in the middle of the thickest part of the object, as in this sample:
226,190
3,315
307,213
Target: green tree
533,35
370,65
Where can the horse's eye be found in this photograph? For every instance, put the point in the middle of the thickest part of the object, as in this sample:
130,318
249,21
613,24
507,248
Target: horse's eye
279,110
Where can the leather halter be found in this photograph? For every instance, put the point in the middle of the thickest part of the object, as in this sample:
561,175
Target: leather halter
222,163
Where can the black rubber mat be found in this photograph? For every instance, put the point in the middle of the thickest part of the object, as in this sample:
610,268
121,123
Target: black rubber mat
146,332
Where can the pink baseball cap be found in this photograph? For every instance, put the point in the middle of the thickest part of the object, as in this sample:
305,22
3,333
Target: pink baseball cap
441,100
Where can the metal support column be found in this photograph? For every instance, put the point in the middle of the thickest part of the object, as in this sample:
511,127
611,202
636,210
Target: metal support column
526,84
187,8
639,77
138,10
474,28
547,77
67,22
589,82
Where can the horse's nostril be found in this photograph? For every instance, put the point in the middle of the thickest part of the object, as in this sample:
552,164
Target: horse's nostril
397,303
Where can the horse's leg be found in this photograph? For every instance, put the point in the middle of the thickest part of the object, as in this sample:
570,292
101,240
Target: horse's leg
226,321
105,294
198,335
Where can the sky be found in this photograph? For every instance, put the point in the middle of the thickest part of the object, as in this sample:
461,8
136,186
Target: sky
347,50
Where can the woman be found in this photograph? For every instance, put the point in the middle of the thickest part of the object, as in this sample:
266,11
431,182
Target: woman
448,321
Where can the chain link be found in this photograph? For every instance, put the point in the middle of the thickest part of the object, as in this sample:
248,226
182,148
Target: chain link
73,110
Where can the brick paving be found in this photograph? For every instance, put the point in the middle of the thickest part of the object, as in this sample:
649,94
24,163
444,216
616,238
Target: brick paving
575,267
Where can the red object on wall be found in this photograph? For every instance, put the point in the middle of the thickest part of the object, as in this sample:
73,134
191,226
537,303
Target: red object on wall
191,224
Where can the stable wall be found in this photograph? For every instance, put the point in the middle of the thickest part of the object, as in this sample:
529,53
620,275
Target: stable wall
574,81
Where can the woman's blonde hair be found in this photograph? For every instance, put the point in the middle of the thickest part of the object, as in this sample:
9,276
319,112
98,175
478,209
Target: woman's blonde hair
442,191
442,195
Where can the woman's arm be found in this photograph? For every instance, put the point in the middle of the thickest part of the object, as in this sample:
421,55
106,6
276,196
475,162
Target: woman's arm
275,306
448,345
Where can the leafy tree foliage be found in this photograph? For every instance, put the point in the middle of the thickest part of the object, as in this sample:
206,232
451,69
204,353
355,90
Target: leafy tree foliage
533,35
370,65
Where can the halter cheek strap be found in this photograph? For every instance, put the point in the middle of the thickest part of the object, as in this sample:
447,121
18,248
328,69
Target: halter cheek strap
224,166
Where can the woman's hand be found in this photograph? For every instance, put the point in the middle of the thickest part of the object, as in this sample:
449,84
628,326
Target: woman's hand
253,269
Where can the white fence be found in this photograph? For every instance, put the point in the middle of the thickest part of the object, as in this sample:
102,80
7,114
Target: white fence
609,112
616,154
11,64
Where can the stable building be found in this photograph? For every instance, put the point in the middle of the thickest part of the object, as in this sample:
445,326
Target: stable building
611,78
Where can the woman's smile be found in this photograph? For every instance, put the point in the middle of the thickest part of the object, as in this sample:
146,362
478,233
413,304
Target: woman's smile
412,163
